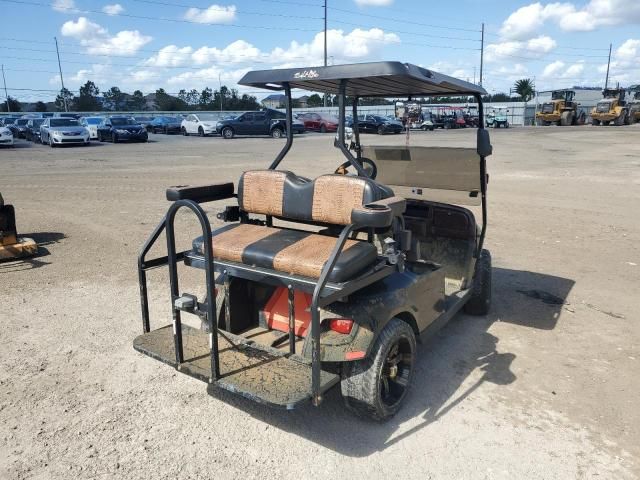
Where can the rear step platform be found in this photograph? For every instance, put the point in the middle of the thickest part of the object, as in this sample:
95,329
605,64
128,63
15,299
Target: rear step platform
259,373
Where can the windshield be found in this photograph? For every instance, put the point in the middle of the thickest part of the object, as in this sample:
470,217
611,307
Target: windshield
207,116
38,122
22,121
171,119
143,119
94,120
118,121
64,122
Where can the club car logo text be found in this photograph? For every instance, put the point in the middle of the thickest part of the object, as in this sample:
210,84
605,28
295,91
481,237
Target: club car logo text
306,74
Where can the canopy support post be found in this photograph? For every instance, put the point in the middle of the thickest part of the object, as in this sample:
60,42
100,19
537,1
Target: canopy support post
287,146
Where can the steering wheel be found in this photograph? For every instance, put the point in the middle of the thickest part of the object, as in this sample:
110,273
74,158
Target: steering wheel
369,167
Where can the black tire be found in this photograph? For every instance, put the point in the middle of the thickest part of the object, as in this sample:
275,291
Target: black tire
114,138
200,132
323,128
480,301
166,131
380,130
277,133
595,122
184,132
369,389
566,118
620,120
606,122
227,133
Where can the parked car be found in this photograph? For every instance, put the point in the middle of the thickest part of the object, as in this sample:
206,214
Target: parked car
19,127
202,124
32,133
6,121
75,116
318,122
264,122
378,124
91,124
165,125
63,131
145,121
6,137
120,128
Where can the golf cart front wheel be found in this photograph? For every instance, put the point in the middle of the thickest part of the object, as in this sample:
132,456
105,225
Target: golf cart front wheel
480,301
376,386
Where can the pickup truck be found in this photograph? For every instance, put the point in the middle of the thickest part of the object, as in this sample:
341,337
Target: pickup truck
265,122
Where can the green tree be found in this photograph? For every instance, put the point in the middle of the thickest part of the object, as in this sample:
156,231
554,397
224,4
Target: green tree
315,100
41,107
137,101
206,99
65,95
14,105
88,101
168,103
525,88
116,99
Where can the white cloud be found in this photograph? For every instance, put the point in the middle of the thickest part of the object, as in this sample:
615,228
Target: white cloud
97,39
528,20
113,9
239,51
559,69
171,56
373,3
531,49
213,14
64,6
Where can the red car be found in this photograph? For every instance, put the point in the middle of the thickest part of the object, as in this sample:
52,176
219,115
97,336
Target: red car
319,122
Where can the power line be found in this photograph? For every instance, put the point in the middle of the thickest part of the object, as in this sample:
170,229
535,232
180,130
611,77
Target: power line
224,9
172,20
407,33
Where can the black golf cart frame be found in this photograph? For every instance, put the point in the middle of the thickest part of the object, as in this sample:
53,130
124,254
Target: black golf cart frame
323,291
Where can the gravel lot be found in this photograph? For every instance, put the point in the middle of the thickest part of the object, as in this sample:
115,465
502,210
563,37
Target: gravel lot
546,387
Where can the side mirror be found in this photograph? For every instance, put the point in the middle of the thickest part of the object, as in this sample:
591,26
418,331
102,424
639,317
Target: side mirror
484,143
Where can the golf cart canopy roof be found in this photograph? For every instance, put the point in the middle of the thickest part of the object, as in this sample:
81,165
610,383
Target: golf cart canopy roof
375,79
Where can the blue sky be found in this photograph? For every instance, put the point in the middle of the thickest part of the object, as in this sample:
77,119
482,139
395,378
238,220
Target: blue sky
175,44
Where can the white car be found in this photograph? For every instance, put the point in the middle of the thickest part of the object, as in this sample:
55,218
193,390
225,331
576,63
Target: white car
63,131
6,137
91,124
199,124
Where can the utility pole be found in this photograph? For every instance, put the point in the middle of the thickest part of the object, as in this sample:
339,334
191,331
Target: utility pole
481,53
220,83
5,90
325,44
64,97
606,81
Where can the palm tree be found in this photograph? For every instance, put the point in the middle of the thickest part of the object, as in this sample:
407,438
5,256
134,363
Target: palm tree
525,88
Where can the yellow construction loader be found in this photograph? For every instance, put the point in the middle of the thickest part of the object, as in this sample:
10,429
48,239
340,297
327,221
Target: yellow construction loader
561,110
612,108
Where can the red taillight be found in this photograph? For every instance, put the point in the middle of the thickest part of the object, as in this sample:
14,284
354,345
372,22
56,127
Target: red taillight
341,325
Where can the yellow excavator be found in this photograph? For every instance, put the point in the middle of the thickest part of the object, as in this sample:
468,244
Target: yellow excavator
561,110
612,108
634,104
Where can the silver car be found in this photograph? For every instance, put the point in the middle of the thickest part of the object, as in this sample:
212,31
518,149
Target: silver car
63,131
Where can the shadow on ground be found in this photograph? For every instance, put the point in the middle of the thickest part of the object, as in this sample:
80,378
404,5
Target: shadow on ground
444,363
43,239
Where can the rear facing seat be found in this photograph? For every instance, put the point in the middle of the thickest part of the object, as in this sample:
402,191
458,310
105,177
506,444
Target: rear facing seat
329,199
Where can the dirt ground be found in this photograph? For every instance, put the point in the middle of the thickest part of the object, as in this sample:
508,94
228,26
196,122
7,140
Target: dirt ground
545,387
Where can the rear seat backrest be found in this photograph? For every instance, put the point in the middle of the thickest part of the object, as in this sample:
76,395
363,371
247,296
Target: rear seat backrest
327,199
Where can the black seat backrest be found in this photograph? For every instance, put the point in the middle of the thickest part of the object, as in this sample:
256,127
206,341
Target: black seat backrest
329,199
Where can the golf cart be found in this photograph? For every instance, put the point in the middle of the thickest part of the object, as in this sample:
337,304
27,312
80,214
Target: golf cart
497,117
317,282
11,246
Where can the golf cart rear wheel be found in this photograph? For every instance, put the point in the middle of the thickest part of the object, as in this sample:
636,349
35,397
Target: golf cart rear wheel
480,301
376,386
